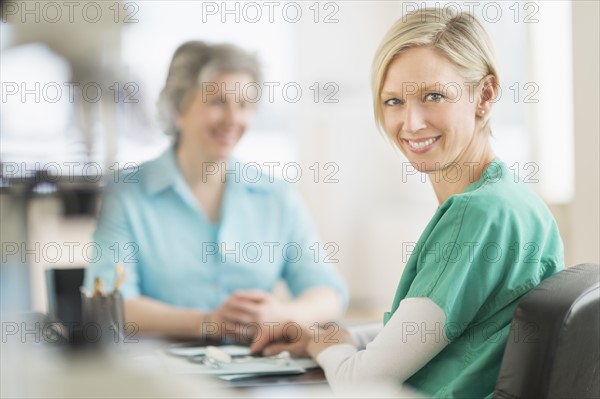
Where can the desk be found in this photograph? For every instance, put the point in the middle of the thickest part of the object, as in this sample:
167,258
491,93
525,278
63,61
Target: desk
312,380
33,368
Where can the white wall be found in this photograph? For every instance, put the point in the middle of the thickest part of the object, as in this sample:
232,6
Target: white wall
585,209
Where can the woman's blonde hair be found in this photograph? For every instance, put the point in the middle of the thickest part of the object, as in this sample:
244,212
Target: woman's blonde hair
457,35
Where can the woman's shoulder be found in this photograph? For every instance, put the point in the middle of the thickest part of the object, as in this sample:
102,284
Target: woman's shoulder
506,211
134,180
499,193
497,207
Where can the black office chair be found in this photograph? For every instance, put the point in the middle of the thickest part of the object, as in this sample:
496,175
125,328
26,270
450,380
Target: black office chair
553,350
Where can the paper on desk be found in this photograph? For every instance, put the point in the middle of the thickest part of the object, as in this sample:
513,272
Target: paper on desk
233,350
305,363
238,377
259,366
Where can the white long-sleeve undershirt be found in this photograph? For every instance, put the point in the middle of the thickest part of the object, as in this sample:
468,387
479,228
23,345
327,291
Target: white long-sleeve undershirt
365,333
410,339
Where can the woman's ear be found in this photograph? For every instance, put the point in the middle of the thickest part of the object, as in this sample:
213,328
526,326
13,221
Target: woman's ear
489,93
179,119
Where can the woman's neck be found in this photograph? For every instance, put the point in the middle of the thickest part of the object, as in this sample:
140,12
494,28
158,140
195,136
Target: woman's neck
455,178
197,169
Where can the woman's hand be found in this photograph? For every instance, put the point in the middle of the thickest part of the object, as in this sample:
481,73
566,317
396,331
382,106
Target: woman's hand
264,319
247,316
331,335
310,342
296,346
218,325
253,306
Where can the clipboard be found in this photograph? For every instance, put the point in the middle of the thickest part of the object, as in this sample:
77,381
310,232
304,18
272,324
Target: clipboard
191,351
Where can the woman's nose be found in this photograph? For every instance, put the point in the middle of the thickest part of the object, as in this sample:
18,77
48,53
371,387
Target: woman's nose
413,118
234,115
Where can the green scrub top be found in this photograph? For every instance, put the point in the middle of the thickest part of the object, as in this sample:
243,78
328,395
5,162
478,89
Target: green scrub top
481,252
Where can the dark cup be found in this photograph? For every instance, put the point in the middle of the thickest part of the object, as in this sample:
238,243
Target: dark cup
103,319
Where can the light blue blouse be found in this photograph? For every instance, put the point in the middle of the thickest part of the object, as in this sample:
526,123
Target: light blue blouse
152,224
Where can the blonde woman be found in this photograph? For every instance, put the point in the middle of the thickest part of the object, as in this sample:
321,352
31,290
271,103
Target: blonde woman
490,241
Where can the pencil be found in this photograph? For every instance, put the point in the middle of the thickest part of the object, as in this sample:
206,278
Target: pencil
120,277
98,287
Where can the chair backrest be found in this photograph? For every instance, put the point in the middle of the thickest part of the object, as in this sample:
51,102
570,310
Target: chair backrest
553,350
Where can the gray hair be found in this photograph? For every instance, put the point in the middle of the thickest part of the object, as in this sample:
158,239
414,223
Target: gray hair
193,63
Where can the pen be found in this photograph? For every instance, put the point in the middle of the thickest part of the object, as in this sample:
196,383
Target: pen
98,287
120,277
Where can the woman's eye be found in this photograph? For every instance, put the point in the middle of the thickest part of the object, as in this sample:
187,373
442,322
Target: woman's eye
392,101
435,97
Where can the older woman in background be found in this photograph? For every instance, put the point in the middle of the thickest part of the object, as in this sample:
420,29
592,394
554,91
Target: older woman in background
203,246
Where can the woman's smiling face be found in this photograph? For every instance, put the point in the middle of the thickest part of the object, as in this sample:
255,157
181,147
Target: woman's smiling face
214,120
430,111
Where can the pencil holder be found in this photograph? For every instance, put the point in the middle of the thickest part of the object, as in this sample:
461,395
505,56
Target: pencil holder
103,318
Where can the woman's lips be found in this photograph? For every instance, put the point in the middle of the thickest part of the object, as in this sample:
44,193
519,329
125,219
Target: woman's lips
420,146
225,137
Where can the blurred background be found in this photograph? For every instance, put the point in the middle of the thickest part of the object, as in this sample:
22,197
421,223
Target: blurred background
80,82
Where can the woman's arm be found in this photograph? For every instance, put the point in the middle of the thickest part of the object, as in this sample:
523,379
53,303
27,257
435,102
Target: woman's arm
319,304
412,337
152,316
364,334
312,277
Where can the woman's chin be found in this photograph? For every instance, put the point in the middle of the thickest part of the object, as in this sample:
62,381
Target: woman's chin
425,166
220,157
219,153
420,164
